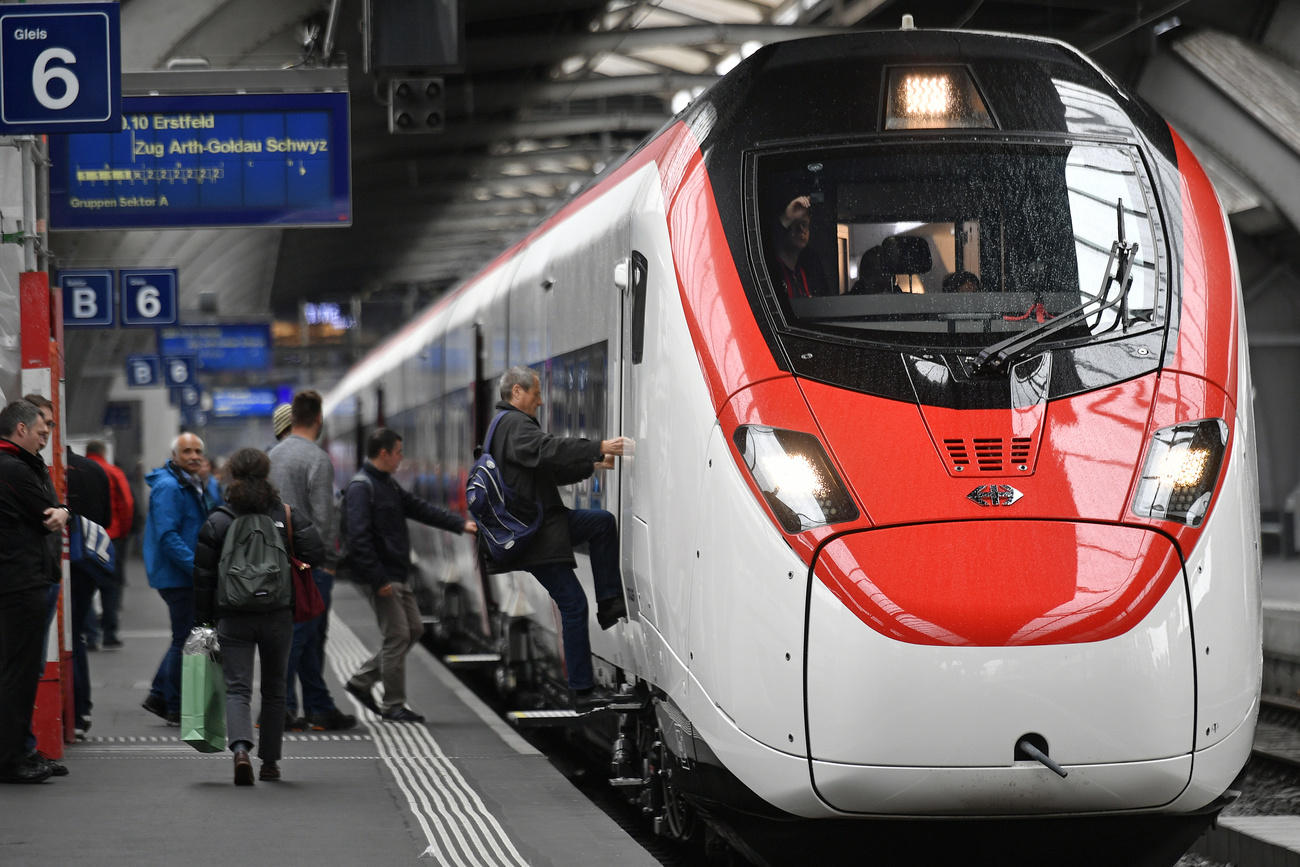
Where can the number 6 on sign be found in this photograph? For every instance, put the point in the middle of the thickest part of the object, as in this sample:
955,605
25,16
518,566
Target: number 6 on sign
42,76
148,296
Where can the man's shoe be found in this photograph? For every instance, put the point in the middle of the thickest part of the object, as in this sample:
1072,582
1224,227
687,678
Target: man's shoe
402,714
155,705
57,769
610,611
113,643
270,771
173,718
294,723
365,695
25,771
333,720
243,768
80,728
591,698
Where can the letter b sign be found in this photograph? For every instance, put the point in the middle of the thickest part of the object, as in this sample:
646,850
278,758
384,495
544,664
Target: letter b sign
87,298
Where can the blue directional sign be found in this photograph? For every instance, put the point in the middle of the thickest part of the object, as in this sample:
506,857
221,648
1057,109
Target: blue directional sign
243,402
143,371
60,68
244,346
87,298
178,371
148,296
182,161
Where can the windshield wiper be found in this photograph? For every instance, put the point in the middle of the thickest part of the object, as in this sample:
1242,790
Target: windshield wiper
1119,268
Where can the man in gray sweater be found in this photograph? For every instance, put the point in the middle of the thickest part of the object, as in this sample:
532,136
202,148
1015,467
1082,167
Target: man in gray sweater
302,471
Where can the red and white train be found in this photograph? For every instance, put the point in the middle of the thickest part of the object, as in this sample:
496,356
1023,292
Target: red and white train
891,550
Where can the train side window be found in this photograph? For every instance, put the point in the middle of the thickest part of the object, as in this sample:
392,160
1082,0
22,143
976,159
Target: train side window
639,278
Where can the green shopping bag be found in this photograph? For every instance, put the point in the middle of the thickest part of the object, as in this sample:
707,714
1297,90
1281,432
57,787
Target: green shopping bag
203,693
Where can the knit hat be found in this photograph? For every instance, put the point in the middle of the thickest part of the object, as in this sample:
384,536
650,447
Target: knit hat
282,420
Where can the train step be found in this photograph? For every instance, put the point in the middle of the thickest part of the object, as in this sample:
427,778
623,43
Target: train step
466,660
541,718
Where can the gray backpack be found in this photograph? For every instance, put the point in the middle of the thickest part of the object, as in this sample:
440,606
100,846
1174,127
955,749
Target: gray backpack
253,574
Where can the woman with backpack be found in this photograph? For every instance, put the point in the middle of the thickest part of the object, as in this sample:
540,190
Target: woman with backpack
243,584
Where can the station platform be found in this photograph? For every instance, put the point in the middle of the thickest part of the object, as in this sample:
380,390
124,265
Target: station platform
460,789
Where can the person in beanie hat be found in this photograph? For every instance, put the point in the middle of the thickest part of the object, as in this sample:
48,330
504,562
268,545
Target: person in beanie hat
282,420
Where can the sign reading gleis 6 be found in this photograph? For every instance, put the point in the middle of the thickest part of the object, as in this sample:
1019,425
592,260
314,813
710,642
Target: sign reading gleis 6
208,160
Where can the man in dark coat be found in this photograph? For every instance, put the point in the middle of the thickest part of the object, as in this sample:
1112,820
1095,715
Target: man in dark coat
90,500
533,465
376,508
28,515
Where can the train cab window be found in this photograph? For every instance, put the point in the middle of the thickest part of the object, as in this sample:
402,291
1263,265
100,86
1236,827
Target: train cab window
960,244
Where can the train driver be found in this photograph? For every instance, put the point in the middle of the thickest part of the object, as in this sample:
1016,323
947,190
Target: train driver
801,272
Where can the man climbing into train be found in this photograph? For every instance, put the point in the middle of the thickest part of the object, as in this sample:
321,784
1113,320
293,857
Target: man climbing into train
533,465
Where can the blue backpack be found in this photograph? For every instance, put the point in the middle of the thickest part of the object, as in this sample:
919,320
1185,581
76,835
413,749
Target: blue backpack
500,531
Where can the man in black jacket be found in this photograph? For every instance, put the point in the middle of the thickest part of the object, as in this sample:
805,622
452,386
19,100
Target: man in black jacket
28,515
533,464
379,557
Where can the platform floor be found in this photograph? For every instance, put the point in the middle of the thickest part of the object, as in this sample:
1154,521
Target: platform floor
460,789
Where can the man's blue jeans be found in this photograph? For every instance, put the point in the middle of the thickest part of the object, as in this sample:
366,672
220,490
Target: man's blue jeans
180,610
307,656
599,530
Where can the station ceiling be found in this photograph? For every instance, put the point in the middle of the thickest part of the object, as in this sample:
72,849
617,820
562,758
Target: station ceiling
552,92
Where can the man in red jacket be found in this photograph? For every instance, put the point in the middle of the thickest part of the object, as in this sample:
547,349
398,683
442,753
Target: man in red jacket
123,505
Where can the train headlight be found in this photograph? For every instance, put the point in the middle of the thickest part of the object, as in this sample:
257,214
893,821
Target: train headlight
1181,470
938,97
796,477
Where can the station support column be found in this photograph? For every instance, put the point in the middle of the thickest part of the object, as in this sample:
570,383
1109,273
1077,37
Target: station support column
42,373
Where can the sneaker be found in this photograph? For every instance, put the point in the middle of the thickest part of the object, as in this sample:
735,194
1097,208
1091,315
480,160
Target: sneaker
365,695
591,698
80,727
402,714
155,705
92,646
610,611
243,768
57,769
294,723
173,718
333,720
270,771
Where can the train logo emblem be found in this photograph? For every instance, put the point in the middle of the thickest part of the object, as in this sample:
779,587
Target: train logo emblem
994,495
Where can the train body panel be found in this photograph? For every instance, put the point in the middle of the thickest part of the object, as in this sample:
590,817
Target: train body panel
875,542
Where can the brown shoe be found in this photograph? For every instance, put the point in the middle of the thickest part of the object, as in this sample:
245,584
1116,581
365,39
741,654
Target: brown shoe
270,771
243,769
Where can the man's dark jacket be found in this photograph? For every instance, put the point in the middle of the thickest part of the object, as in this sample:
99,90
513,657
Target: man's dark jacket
27,559
88,490
533,465
378,542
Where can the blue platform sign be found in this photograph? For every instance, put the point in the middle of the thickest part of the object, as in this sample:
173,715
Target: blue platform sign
148,296
220,347
252,159
87,298
178,371
143,371
60,68
243,402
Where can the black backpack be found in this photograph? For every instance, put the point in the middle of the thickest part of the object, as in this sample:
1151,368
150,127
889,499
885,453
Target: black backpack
501,532
253,573
345,568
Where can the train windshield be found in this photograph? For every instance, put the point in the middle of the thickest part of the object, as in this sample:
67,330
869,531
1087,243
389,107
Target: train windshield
963,245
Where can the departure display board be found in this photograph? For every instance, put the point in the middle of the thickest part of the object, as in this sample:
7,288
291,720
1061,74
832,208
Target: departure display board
208,160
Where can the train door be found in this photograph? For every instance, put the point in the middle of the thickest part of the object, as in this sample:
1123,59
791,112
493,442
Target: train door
632,279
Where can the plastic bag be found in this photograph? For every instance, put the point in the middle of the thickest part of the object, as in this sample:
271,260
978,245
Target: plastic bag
203,692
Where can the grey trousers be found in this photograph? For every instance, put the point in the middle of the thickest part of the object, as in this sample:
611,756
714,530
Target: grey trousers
271,636
402,627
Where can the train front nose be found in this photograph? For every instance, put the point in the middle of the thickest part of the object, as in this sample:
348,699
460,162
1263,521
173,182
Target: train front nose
1073,635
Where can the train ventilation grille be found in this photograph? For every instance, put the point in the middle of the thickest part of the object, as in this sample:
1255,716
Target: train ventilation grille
994,455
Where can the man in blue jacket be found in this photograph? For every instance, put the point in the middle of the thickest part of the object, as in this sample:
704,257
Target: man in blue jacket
379,554
178,506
